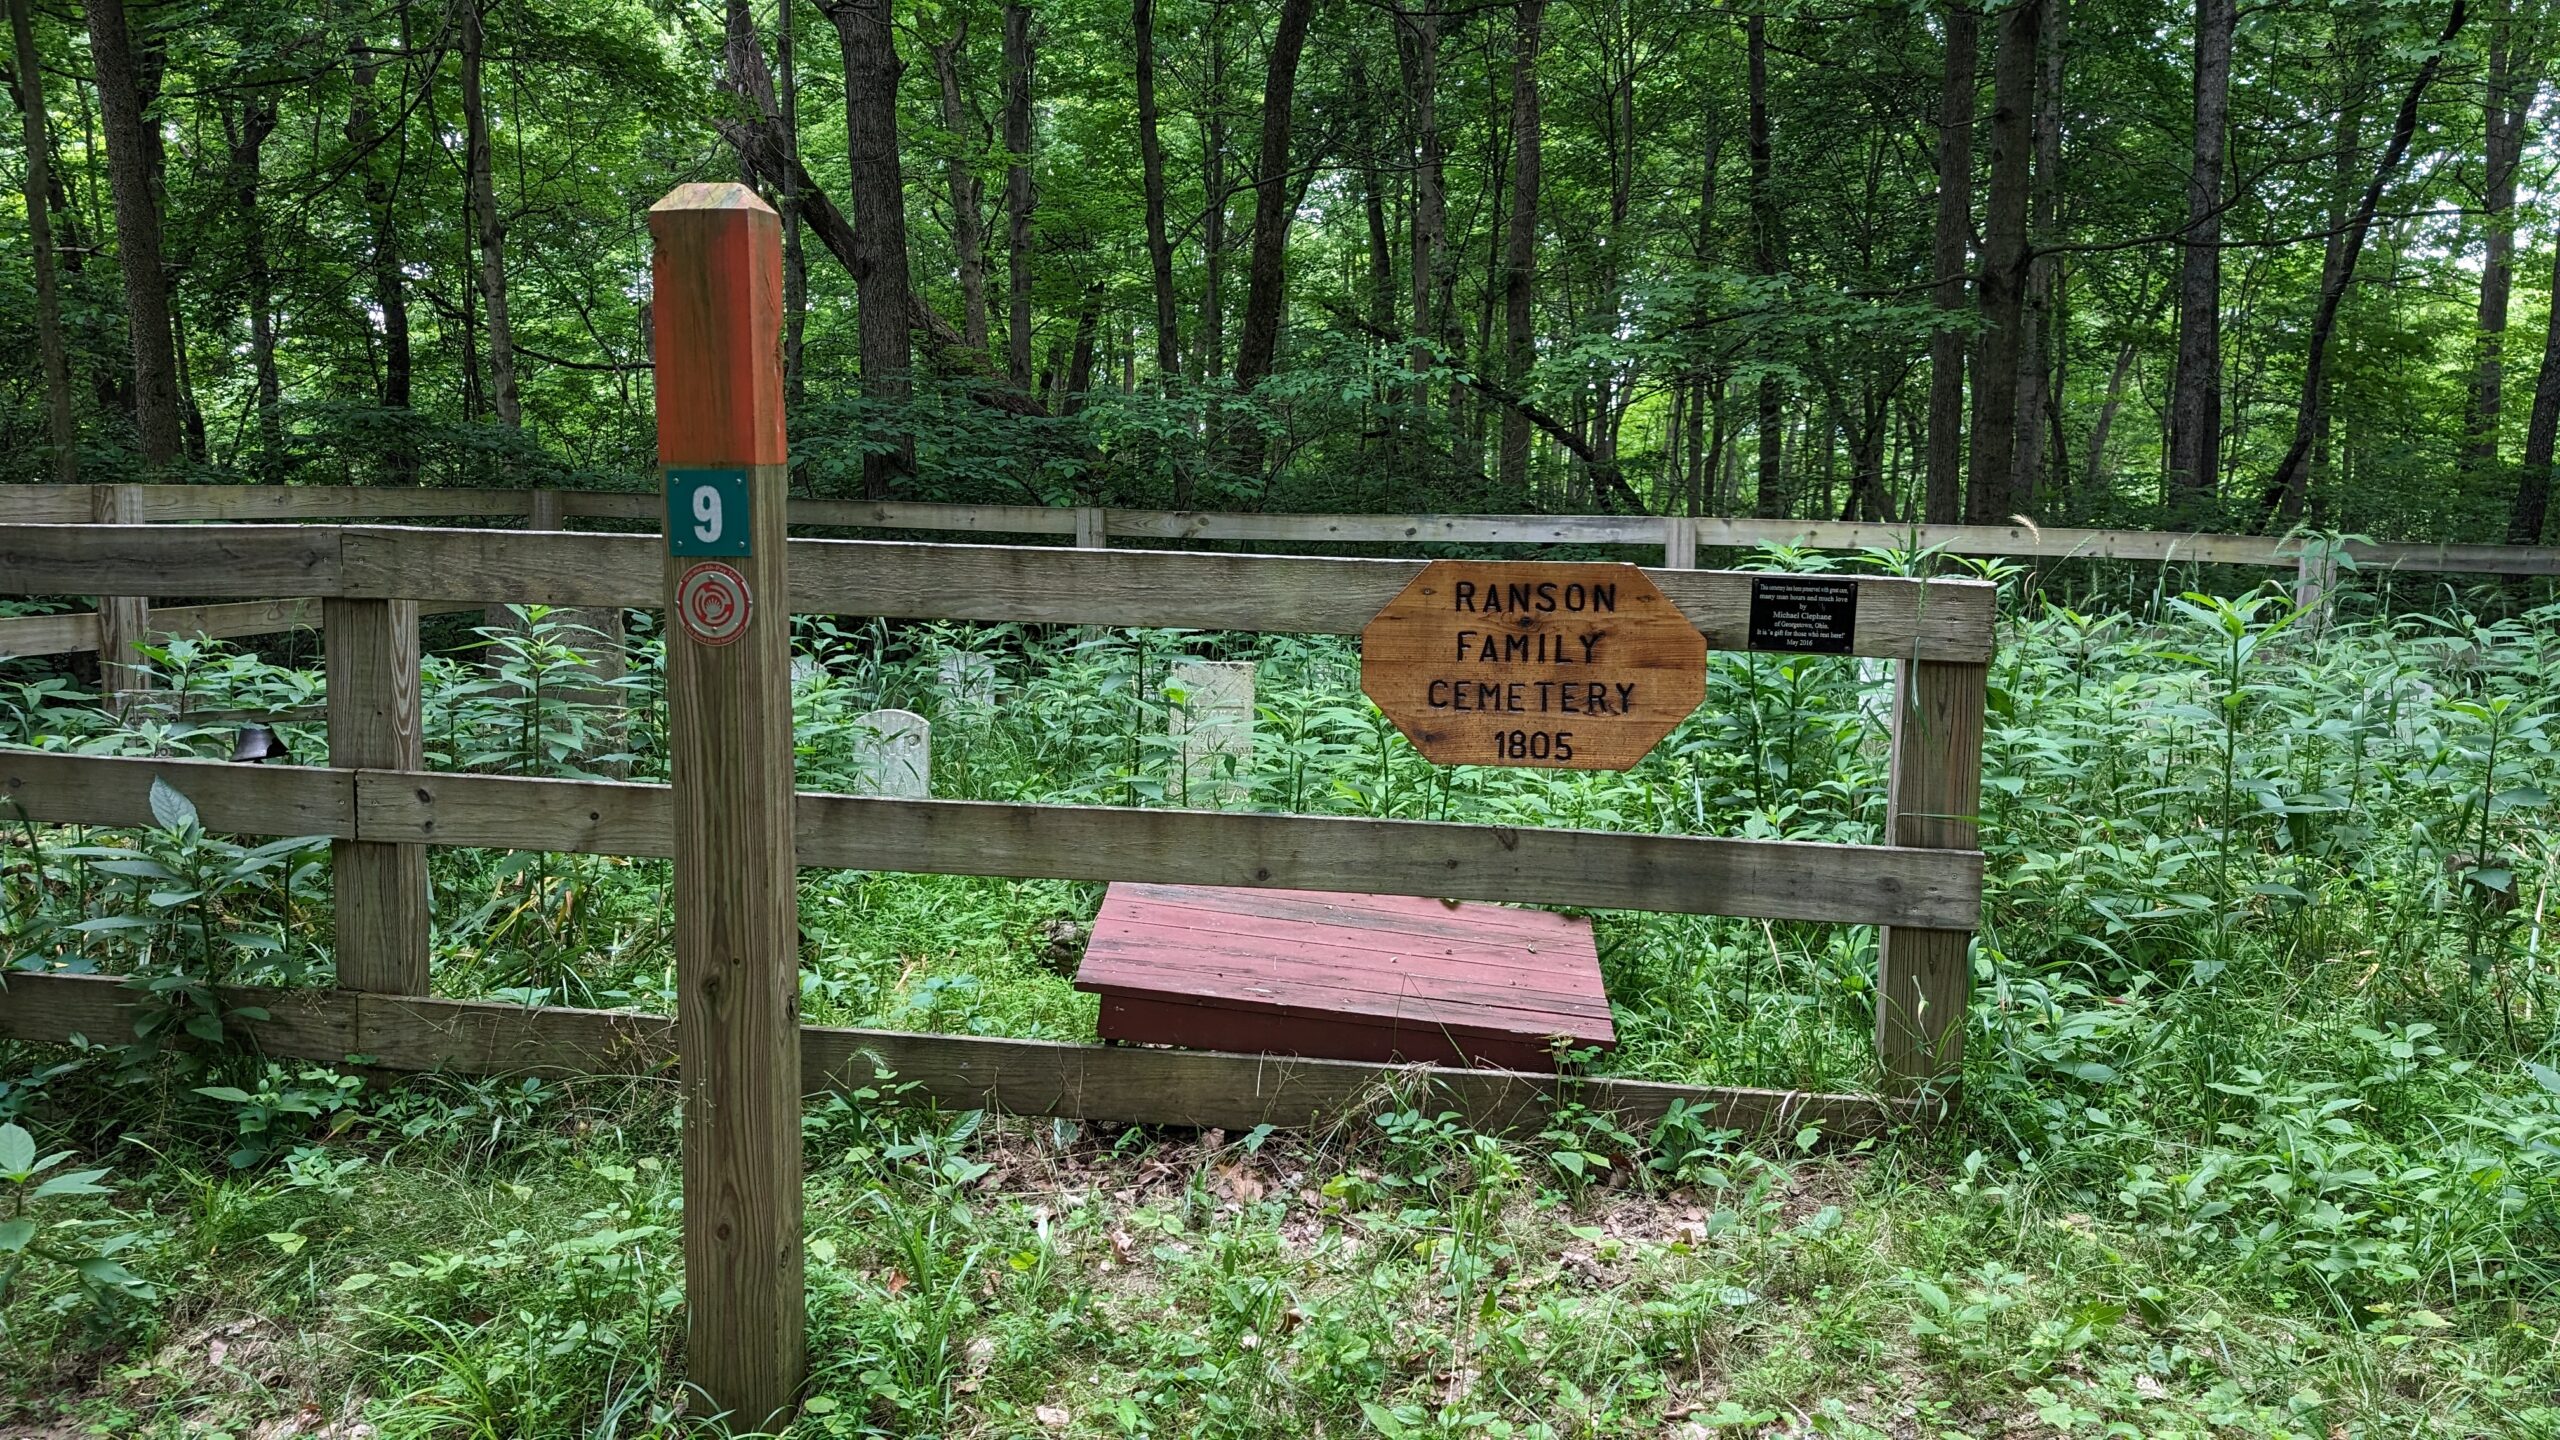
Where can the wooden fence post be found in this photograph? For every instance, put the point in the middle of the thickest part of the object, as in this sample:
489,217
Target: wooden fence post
1679,542
374,723
1935,793
1092,528
718,270
124,621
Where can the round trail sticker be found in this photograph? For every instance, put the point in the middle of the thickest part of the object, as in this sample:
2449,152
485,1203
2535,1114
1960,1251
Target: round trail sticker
712,604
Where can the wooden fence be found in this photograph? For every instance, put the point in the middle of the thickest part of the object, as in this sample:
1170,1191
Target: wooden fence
735,829
376,802
1680,537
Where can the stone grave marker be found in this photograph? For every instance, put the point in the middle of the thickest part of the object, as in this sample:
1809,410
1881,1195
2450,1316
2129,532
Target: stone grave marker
1212,721
893,755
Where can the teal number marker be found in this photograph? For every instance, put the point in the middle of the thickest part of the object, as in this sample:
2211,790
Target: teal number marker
707,513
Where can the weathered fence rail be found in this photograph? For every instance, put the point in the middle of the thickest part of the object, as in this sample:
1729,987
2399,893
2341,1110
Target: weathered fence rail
736,830
167,504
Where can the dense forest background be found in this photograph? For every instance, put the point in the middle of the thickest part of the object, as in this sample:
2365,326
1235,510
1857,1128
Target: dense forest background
2113,261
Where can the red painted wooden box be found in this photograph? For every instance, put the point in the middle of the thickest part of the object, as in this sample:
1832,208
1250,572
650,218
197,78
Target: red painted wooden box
1345,977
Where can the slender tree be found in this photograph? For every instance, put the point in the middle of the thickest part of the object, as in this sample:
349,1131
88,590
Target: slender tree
61,427
1142,19
1945,485
1266,276
967,241
2195,396
1770,499
1018,196
2001,290
2040,346
2286,488
881,290
1520,252
383,145
132,147
2507,99
488,224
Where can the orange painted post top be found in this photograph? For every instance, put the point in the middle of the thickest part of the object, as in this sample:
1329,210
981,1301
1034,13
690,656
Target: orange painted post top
718,260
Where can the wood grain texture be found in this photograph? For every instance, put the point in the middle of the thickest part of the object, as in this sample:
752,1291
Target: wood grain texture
374,723
124,618
1389,529
1521,663
72,634
1938,619
1023,1077
45,504
1766,879
163,504
1343,976
226,560
1925,974
1680,543
718,305
230,799
1092,533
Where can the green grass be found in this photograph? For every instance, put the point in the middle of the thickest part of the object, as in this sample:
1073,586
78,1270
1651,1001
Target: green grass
2261,1130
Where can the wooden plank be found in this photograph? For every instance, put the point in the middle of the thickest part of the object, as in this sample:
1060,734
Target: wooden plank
22,635
224,560
44,504
2056,543
124,616
375,721
1934,795
229,799
2457,559
1508,662
1023,1077
1391,529
1940,619
1765,879
163,504
914,515
1680,543
1291,1034
717,271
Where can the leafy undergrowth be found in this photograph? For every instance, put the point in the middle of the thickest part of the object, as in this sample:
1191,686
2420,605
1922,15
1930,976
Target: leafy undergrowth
2260,1132
503,1259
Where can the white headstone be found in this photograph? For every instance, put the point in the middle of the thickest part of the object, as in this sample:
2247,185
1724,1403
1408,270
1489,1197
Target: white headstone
968,678
1212,719
893,755
805,670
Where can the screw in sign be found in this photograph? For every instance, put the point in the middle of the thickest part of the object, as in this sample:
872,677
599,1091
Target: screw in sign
712,604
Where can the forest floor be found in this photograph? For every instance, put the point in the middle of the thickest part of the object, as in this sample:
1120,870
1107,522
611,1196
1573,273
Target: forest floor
2260,1134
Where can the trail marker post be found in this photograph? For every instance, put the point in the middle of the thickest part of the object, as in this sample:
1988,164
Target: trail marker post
718,302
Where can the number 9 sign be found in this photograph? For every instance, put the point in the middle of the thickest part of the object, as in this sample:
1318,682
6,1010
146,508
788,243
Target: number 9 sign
707,513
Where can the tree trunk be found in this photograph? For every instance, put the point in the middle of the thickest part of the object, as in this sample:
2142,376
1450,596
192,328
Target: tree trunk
1266,277
795,262
1520,252
2093,482
481,178
1080,361
61,427
1142,16
2038,343
1213,227
882,294
2195,392
2285,488
1945,485
1418,40
1770,501
2533,479
2504,107
156,412
370,133
1989,493
966,197
246,134
1018,198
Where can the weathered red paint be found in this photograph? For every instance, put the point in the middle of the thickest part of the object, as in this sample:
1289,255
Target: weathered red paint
719,402
1344,977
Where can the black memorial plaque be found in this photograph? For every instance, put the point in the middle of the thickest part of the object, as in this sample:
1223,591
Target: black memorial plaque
1810,614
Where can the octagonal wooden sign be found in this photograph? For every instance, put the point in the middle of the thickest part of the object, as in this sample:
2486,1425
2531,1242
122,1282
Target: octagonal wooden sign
1569,667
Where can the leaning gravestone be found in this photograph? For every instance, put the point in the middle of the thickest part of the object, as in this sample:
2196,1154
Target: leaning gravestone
1212,725
893,755
968,679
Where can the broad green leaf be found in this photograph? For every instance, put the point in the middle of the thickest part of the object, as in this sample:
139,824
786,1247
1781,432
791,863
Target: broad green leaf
18,1151
173,810
74,1182
224,1093
14,1234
